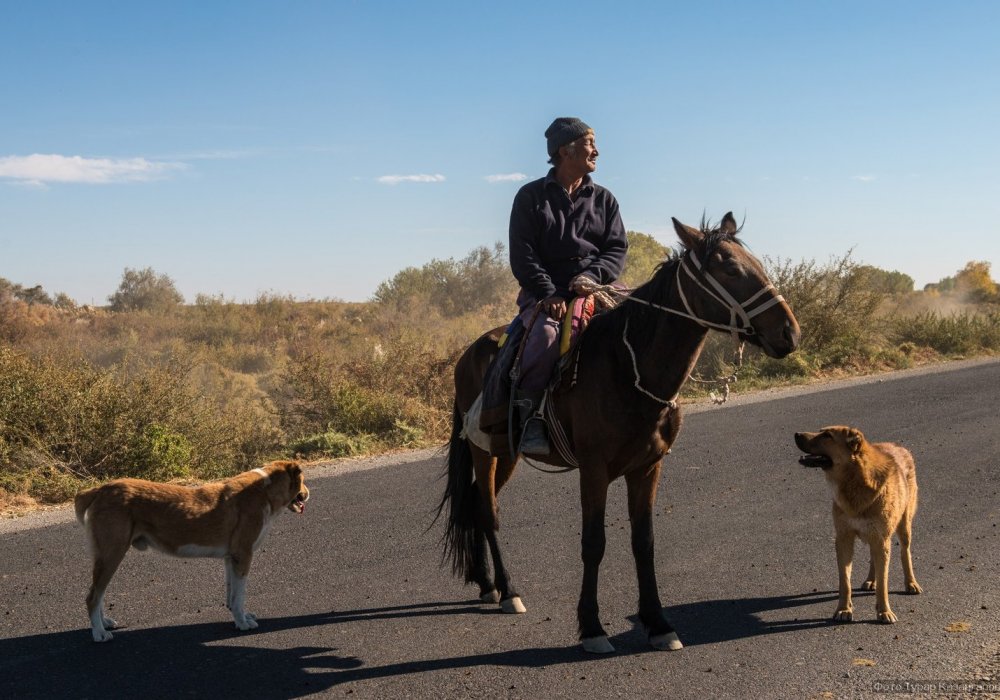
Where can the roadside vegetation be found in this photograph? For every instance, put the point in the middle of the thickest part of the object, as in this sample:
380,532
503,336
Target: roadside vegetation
153,387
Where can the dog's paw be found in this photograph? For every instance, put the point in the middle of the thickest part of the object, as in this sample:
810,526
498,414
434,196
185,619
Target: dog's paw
843,616
913,588
887,617
249,622
109,624
868,585
102,635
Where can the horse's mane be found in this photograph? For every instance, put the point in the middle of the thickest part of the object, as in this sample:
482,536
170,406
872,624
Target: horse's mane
641,318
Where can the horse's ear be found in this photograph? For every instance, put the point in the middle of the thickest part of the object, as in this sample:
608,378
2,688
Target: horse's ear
689,236
729,226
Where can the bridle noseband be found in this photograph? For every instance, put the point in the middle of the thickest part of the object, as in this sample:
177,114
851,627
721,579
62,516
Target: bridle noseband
742,310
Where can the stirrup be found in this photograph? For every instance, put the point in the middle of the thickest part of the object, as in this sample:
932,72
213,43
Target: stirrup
533,438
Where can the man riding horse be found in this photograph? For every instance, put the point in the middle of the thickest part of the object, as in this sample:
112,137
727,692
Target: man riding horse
618,414
565,235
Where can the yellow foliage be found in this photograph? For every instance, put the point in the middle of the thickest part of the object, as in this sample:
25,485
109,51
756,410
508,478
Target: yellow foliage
974,280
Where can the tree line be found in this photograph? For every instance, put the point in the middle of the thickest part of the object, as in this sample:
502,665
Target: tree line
456,286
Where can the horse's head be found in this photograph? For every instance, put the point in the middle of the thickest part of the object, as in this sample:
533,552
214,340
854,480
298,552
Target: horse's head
725,287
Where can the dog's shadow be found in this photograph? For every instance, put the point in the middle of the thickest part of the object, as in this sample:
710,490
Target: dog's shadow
159,662
195,660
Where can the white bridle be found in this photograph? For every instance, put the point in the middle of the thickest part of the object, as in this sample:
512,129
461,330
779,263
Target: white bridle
721,294
742,310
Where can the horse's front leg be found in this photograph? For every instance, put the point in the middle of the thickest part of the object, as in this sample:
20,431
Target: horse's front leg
593,498
641,499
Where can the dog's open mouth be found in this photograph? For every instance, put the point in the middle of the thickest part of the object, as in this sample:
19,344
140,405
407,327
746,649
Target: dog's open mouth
299,504
811,460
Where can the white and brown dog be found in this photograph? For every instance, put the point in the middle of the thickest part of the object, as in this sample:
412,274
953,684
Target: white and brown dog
226,520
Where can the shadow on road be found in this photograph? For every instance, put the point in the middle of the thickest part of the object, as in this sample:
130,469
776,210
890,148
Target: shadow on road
194,660
711,621
190,660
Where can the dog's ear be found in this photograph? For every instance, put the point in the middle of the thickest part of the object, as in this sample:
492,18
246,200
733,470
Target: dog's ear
855,439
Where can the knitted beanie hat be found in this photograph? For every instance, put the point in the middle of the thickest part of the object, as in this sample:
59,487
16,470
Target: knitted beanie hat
564,130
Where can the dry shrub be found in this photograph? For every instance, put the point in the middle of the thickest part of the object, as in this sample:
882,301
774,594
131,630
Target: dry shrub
399,395
207,389
834,303
66,421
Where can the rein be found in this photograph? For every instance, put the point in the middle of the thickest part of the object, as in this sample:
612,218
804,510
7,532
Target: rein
669,403
744,311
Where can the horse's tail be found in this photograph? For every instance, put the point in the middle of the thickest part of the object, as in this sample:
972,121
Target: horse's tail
461,499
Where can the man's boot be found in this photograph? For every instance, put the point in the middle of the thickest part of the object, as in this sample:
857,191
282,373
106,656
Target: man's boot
533,438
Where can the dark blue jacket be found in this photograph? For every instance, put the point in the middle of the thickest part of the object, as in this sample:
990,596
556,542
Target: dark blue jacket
553,238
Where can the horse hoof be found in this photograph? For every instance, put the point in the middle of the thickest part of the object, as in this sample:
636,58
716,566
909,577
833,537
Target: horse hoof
666,642
490,597
513,605
597,645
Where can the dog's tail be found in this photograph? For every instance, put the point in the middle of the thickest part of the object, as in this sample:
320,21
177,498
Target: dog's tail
82,502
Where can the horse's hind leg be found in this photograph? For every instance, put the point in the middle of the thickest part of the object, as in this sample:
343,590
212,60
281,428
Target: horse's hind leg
491,475
641,498
479,571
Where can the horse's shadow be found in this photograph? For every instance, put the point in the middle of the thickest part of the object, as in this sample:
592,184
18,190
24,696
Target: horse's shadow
712,621
194,659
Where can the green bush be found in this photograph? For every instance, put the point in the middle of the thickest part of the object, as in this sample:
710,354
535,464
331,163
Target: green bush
959,334
795,366
160,453
333,444
452,287
145,290
324,401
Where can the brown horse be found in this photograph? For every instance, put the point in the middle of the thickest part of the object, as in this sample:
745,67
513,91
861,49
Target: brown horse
619,414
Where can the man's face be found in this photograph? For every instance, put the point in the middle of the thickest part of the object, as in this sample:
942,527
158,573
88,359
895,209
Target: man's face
582,154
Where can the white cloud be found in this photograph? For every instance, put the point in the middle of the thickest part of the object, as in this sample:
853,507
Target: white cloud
509,177
40,169
215,155
863,178
396,179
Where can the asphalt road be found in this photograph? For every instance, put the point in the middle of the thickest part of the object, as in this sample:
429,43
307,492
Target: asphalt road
352,600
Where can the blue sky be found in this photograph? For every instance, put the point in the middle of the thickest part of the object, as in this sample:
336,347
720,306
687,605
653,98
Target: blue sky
316,148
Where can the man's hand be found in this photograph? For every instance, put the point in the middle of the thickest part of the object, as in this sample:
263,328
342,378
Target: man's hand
555,307
583,285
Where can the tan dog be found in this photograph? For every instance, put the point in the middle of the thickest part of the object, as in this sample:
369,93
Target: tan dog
874,493
226,520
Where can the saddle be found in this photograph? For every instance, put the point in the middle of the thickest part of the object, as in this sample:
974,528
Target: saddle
488,422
